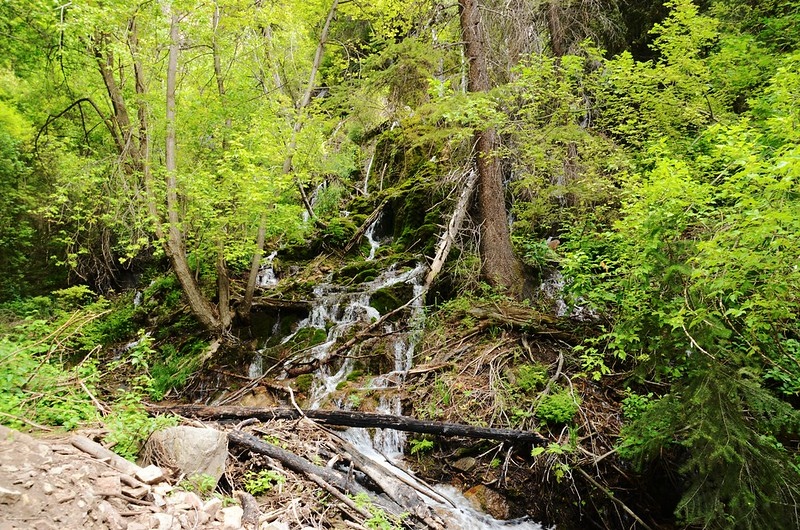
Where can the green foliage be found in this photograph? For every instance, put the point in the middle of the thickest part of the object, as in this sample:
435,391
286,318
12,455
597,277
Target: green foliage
172,368
202,483
558,407
530,377
129,425
634,405
379,519
738,474
420,446
263,481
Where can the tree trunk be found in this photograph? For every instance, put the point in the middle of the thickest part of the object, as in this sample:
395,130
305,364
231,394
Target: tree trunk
555,27
174,244
287,163
223,278
449,235
499,265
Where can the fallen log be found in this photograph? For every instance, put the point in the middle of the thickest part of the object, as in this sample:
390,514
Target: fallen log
356,419
303,466
525,319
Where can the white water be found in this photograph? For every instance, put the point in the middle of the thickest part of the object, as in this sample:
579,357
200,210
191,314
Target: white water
553,288
466,517
336,309
266,274
374,244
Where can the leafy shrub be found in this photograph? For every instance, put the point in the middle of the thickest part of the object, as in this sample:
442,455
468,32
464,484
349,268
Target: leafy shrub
263,481
420,446
558,407
530,377
202,483
130,425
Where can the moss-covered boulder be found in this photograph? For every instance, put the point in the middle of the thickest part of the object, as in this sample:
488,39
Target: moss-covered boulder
390,298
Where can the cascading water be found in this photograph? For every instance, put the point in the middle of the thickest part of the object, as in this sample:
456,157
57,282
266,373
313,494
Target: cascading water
266,274
374,244
337,310
553,288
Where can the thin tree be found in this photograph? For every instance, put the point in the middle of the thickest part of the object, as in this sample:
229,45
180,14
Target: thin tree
291,147
174,244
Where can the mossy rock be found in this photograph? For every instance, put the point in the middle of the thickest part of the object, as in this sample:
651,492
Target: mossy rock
306,338
355,270
366,276
263,324
338,232
303,382
304,251
390,298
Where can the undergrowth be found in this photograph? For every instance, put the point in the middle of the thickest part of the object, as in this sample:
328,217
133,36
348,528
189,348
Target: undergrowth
63,365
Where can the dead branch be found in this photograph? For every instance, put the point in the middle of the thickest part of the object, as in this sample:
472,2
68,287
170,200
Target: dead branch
356,419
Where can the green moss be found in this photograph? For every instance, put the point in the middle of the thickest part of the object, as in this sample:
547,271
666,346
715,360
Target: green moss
356,271
389,298
366,276
302,383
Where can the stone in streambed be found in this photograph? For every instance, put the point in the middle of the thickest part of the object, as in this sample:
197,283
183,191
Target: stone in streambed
489,501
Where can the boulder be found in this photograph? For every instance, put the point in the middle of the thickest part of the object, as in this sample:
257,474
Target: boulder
190,451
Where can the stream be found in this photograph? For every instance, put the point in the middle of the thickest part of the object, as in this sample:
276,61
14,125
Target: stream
338,309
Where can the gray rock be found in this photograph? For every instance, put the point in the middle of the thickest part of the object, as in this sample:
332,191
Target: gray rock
107,486
232,517
191,450
164,521
111,516
8,496
212,507
465,464
151,475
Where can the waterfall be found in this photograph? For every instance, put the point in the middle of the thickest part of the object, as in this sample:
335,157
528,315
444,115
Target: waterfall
266,274
337,310
370,235
553,288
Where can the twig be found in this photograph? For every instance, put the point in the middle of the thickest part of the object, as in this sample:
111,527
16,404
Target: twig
613,498
103,410
27,422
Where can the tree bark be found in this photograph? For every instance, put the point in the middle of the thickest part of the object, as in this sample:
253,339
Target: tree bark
223,277
358,419
499,265
287,163
174,244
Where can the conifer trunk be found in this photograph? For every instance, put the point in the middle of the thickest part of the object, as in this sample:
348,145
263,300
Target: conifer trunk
499,265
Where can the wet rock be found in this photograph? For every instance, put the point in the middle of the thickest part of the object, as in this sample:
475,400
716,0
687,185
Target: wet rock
191,450
489,501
